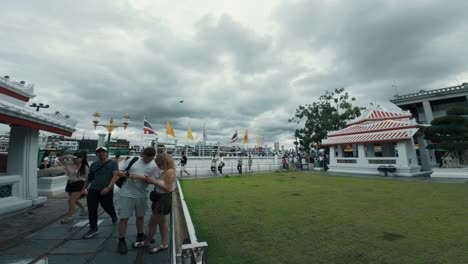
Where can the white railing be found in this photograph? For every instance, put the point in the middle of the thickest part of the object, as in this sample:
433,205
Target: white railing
201,166
195,251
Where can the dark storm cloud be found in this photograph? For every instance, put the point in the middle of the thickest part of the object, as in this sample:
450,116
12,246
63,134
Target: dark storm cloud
416,43
110,57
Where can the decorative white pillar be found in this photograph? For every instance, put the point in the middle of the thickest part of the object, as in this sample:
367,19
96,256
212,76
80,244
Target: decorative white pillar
403,159
22,159
362,160
428,159
332,156
428,111
101,140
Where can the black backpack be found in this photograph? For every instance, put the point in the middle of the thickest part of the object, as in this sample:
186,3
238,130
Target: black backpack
120,181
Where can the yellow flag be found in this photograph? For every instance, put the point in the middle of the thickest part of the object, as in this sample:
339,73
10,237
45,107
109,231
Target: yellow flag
257,140
246,136
169,129
189,134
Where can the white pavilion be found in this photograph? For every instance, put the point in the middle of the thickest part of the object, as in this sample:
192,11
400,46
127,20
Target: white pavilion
378,139
19,185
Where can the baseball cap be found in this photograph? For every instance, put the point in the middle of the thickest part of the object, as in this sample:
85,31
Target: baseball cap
101,148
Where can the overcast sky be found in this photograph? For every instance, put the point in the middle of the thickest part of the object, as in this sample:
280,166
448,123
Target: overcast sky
236,64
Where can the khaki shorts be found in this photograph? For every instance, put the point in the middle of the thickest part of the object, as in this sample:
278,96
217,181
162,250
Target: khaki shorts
129,205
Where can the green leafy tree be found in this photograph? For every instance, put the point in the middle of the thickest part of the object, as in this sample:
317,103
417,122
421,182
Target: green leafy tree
331,112
450,133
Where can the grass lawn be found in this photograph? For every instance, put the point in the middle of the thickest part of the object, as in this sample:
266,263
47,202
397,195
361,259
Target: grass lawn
312,218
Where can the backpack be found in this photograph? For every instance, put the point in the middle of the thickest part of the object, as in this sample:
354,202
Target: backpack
120,181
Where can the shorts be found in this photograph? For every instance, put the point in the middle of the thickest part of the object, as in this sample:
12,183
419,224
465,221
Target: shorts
129,205
75,186
162,205
182,167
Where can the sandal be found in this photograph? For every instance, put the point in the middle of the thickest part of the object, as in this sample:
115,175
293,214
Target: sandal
139,244
158,249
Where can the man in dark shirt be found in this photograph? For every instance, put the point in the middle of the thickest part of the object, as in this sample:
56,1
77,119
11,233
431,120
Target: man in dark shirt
102,175
183,164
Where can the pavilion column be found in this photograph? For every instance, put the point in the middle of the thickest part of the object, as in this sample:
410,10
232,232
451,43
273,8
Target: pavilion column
428,111
403,158
333,155
361,160
428,159
22,159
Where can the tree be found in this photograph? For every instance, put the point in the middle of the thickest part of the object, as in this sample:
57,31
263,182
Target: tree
329,113
450,133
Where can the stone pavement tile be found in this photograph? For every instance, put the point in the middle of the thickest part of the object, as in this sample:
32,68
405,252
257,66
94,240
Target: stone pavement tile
16,259
34,248
109,254
104,232
82,246
68,259
54,232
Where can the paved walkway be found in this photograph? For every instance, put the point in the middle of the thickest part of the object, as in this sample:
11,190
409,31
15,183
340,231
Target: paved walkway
36,235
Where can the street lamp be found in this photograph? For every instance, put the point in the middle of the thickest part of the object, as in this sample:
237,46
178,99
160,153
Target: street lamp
110,127
296,143
41,105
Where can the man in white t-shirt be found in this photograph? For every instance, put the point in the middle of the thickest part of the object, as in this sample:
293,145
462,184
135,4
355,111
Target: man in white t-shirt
134,194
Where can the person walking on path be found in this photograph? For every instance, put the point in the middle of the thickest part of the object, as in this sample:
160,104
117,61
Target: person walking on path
283,160
213,165
103,173
133,194
239,164
77,171
183,164
250,163
221,164
162,203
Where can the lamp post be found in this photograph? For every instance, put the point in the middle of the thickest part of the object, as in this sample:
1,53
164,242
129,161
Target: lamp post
296,143
111,126
40,105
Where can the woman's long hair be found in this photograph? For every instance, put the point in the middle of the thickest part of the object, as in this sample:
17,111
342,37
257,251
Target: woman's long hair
84,162
165,162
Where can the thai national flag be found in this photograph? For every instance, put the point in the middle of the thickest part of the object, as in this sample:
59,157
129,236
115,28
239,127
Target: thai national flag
147,129
234,137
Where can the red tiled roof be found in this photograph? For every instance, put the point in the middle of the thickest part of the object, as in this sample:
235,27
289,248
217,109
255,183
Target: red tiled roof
393,136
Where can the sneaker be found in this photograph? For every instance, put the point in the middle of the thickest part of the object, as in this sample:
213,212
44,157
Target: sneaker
122,247
84,212
92,232
114,219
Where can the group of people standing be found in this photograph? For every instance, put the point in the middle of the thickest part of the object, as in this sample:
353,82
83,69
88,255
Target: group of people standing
97,181
219,162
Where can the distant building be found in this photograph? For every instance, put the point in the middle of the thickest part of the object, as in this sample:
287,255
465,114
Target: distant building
277,146
89,145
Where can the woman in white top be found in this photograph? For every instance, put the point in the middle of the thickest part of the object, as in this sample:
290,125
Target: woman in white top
162,202
77,170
